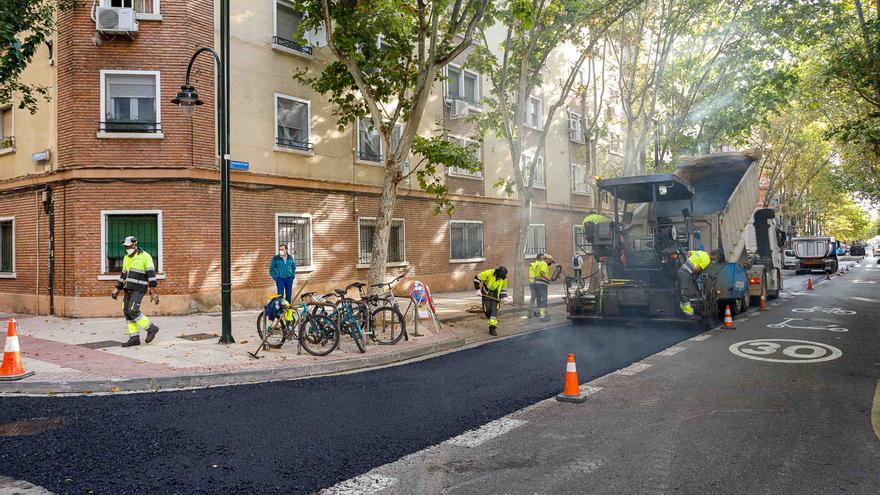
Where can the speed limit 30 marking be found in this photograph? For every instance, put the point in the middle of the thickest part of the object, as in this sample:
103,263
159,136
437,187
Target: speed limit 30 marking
786,351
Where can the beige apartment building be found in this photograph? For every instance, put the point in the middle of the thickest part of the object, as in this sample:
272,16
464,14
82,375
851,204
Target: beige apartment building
110,156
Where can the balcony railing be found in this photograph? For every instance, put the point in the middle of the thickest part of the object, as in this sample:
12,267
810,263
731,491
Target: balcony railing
368,156
293,45
294,145
133,126
7,142
576,135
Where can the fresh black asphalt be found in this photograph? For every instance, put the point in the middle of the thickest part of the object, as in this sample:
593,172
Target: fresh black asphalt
300,436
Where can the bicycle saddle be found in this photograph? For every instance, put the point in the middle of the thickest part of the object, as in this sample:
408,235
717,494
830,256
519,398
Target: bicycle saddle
357,285
339,292
307,295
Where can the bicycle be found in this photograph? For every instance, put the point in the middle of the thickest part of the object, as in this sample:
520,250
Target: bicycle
386,324
317,333
347,321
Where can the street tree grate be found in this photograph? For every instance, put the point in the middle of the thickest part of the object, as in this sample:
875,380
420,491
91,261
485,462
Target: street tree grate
199,336
29,426
101,345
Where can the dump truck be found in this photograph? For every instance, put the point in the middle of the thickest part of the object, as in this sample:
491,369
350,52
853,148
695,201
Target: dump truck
815,253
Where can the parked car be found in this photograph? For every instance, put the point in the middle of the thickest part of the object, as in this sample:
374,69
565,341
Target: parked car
857,250
789,260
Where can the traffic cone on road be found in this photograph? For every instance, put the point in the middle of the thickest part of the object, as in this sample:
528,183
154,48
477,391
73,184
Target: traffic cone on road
763,305
571,392
12,368
809,283
728,318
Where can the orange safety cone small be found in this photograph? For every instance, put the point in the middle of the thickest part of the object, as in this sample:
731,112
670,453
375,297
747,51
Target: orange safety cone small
571,392
728,318
12,368
809,283
763,304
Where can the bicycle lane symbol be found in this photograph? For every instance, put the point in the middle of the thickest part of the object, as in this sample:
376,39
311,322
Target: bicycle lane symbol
786,323
822,309
787,351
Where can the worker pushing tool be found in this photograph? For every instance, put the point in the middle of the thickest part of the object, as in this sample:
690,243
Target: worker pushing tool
533,290
542,284
697,262
491,285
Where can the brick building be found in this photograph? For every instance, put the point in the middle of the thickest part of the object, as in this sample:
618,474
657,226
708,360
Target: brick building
109,156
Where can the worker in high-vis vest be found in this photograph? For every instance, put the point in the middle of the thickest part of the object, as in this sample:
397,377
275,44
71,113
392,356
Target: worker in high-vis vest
697,261
542,284
491,285
533,300
594,217
138,278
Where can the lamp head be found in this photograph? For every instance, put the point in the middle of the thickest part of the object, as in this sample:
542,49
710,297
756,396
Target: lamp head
188,99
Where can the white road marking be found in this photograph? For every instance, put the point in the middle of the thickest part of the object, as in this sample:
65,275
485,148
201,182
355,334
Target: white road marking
700,338
671,351
864,282
633,369
865,299
826,310
786,323
792,350
364,484
488,431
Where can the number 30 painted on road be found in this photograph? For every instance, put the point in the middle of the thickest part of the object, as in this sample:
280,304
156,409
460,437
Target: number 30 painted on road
786,351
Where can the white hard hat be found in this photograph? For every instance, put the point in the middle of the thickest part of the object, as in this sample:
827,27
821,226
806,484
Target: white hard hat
129,241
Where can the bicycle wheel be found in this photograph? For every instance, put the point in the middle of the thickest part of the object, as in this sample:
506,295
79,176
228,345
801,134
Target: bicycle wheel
274,328
357,334
387,325
318,335
361,313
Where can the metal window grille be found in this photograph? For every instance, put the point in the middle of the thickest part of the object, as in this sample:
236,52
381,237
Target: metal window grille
143,226
466,240
296,233
581,245
536,241
396,242
6,246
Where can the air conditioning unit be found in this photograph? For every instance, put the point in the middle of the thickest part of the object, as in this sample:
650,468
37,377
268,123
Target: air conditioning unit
115,20
460,109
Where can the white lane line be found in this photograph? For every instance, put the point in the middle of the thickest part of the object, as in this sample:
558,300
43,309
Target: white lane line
488,431
671,351
633,369
700,338
364,484
865,299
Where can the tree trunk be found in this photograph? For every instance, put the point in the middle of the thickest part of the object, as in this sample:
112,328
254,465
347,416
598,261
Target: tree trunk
518,269
379,255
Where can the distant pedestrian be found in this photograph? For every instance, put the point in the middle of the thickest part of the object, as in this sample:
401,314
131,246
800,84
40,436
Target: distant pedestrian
577,264
491,285
283,271
137,278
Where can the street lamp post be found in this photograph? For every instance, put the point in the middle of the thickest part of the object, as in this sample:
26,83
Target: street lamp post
188,99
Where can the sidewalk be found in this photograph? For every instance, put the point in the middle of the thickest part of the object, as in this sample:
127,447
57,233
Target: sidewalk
83,355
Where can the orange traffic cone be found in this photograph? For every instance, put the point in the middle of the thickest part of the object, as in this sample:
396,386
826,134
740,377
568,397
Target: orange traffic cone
728,318
12,369
809,283
763,306
572,391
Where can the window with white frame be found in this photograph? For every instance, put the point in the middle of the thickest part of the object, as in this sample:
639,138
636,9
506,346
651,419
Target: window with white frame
396,241
462,84
7,139
292,122
536,240
287,26
7,245
370,146
295,231
146,226
525,161
144,8
575,127
465,240
580,179
534,109
130,101
474,147
579,240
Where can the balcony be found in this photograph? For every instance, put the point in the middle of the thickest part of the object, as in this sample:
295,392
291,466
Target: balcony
291,144
291,45
576,136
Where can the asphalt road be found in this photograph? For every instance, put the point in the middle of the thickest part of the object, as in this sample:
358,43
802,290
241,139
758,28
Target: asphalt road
711,415
301,436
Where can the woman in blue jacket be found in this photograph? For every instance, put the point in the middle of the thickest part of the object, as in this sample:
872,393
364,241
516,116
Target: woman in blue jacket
283,271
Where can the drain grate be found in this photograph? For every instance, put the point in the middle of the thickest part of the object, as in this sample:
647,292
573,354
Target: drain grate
101,345
199,336
29,426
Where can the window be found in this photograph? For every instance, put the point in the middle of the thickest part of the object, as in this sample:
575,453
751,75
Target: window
7,246
533,112
396,244
525,162
575,127
287,21
580,182
292,117
130,102
581,246
7,139
145,9
465,240
475,147
536,241
462,84
296,232
370,146
145,225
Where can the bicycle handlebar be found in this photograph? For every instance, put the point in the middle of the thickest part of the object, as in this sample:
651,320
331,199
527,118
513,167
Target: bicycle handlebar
389,284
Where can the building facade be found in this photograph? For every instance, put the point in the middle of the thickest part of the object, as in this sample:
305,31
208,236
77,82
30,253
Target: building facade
110,156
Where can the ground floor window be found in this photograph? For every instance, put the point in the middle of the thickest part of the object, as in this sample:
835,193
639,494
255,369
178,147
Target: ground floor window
396,241
146,226
296,232
7,245
465,240
536,240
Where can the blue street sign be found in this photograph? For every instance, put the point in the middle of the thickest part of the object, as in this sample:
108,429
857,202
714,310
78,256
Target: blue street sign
238,165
